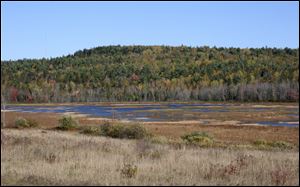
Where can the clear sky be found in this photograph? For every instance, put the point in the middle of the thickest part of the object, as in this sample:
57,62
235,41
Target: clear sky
51,29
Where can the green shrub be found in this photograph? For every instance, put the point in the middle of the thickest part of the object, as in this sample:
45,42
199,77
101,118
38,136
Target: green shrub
21,123
91,130
198,138
32,123
281,145
134,131
25,123
67,123
116,131
105,128
262,144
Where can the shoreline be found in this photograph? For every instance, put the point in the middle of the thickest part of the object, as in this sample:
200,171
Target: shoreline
133,103
205,122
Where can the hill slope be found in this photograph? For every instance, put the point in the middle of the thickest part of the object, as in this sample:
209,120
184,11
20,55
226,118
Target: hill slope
155,73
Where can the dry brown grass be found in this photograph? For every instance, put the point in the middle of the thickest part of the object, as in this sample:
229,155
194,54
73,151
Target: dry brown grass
227,133
42,157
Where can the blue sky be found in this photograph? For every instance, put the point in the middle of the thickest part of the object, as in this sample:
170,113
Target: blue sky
51,29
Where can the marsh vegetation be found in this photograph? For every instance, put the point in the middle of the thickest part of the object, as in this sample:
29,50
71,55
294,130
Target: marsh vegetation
39,157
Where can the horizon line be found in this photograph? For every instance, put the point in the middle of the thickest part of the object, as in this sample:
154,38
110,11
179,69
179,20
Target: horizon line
134,45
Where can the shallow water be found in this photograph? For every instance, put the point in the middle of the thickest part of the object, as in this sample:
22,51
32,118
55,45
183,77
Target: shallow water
160,112
280,123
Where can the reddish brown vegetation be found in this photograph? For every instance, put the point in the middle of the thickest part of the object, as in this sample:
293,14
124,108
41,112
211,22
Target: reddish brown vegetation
226,133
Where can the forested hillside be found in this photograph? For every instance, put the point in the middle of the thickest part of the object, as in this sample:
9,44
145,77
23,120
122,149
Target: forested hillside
155,73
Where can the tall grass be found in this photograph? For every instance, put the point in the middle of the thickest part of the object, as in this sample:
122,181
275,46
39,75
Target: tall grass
39,157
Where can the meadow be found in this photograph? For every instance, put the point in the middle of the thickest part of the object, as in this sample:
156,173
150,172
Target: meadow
55,149
39,157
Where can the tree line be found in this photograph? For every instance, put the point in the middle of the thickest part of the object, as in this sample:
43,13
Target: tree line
155,73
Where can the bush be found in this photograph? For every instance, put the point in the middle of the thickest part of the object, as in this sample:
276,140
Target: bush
32,123
91,130
21,123
281,145
117,131
134,131
129,171
105,128
25,123
262,144
67,123
198,138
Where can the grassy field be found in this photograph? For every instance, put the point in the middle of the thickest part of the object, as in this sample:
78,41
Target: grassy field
44,157
228,154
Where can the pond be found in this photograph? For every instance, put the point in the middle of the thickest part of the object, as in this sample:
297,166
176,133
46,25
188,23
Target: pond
165,112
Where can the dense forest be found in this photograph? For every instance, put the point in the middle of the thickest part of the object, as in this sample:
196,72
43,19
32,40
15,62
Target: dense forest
155,73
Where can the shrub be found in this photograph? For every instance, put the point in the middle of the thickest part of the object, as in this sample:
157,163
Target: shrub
198,138
134,131
129,171
67,123
105,128
117,131
262,144
25,123
32,123
281,145
91,130
21,123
